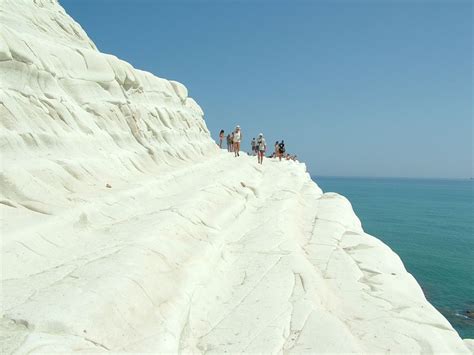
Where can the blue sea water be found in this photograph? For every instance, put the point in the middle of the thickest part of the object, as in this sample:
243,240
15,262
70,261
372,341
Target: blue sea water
429,224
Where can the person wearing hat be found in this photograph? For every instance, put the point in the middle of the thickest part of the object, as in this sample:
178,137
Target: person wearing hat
237,139
262,147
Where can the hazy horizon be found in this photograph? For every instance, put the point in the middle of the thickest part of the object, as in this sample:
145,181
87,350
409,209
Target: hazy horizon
356,89
391,177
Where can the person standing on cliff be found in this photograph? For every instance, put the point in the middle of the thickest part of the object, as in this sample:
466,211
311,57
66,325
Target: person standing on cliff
261,148
281,149
228,142
221,138
254,146
237,139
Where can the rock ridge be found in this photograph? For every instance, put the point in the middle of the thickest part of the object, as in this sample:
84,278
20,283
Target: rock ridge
125,229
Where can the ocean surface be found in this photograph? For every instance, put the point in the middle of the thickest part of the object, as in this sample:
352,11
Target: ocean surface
429,224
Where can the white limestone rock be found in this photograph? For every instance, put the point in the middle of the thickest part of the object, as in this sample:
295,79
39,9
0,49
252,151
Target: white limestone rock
191,250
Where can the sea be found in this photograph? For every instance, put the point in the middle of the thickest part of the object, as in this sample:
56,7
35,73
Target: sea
429,224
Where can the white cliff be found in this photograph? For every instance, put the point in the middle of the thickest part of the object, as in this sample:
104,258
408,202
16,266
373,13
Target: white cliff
191,249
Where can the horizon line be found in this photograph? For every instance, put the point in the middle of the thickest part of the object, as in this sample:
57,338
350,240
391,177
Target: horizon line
392,177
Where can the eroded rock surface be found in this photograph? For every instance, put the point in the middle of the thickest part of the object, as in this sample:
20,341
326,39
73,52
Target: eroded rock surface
191,250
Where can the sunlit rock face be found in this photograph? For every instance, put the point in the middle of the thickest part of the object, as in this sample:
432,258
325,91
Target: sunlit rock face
68,109
125,229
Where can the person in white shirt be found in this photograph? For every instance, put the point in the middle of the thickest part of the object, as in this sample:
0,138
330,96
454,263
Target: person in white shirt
262,147
237,139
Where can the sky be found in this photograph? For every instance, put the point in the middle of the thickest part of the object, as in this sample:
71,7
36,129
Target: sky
355,88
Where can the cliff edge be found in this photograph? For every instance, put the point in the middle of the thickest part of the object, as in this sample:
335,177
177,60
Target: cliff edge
125,229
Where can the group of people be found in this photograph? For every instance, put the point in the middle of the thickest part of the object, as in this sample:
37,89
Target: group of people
280,152
233,140
258,145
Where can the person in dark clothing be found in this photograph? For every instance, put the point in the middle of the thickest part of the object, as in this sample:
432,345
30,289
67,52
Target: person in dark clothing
281,149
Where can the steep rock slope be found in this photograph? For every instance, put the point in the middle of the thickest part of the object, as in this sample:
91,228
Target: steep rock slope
190,250
70,109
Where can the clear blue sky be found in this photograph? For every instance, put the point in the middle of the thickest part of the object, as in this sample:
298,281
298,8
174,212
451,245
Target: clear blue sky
356,88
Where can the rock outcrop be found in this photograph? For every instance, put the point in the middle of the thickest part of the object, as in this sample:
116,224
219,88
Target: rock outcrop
125,229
